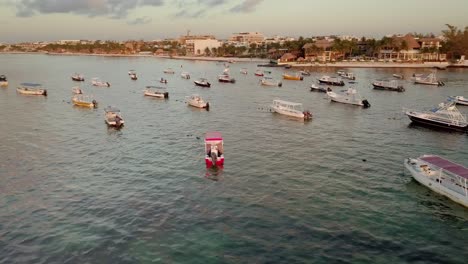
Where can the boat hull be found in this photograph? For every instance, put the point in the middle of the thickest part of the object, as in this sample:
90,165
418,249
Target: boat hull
157,95
32,92
84,104
219,162
202,84
78,79
293,78
461,101
433,123
3,84
388,88
341,83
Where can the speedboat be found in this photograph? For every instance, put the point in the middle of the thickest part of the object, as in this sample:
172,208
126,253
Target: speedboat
133,75
349,96
392,85
460,100
268,81
347,75
441,176
169,71
259,73
214,149
316,88
31,89
96,82
113,117
398,76
331,81
154,91
3,81
296,77
84,101
202,82
430,79
290,109
305,73
195,100
185,75
77,90
162,80
446,116
78,77
226,78
243,71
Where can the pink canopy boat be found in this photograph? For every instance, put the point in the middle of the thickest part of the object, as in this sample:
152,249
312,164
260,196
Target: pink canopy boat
214,149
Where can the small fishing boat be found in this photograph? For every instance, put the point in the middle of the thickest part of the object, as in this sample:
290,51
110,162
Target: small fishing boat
113,117
154,91
398,76
349,96
441,176
296,77
347,75
446,116
340,72
169,71
77,90
185,75
78,77
316,88
214,149
430,79
3,81
225,78
243,71
460,100
97,82
259,73
290,109
162,80
331,81
84,101
202,82
195,100
305,73
133,75
268,81
31,89
390,85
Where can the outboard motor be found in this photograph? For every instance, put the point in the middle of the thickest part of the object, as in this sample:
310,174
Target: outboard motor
207,106
329,89
108,84
94,103
44,93
166,95
302,78
342,83
307,115
365,103
280,84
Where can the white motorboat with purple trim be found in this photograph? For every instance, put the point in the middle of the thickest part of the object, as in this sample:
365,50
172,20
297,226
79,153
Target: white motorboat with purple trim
446,116
441,175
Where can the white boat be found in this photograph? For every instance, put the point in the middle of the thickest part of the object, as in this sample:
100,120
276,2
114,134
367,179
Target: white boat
185,75
349,96
441,176
460,100
398,76
162,80
96,82
316,88
290,109
226,78
169,71
31,89
243,71
268,81
391,85
446,116
259,72
133,75
340,72
195,100
430,79
78,77
84,101
304,73
348,75
113,117
155,91
77,90
3,81
331,81
202,82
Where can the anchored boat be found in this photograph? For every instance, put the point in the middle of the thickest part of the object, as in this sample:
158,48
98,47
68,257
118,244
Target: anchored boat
195,100
296,77
331,81
31,89
154,91
460,100
316,88
430,79
243,71
446,116
133,75
169,71
259,73
441,175
268,81
347,75
78,77
113,117
391,85
96,82
290,109
84,101
185,75
214,149
3,81
202,82
225,78
349,96
77,90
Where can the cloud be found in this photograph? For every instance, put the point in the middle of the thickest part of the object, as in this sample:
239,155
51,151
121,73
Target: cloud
247,6
111,8
140,21
196,8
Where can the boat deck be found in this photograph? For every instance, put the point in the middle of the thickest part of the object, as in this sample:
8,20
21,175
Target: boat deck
447,165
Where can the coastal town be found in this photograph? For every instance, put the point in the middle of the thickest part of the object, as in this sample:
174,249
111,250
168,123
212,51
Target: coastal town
410,49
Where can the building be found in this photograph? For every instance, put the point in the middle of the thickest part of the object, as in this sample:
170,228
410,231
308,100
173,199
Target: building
197,47
183,39
409,48
247,38
321,50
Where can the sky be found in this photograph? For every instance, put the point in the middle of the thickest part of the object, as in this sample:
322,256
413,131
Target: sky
48,20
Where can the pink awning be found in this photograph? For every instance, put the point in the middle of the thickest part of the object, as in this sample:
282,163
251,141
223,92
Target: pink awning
213,136
447,165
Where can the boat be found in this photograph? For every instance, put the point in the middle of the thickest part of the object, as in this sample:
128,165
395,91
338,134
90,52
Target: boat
113,117
398,76
268,81
84,101
290,109
78,77
348,75
316,88
3,81
154,91
391,85
162,80
430,79
96,82
214,149
288,66
243,71
349,96
226,78
305,73
296,77
169,71
460,100
340,72
195,100
77,90
133,75
259,73
31,89
441,176
446,116
185,75
331,81
202,82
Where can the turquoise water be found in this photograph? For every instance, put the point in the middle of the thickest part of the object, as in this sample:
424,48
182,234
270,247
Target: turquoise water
326,191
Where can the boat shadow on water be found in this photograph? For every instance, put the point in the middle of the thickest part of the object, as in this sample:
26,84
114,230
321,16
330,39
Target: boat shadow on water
214,173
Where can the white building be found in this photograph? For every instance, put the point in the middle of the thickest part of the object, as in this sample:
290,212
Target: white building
198,46
247,37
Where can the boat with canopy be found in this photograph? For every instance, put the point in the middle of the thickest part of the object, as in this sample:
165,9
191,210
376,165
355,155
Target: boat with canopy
214,149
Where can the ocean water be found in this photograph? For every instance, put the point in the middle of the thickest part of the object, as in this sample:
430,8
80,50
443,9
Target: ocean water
332,190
